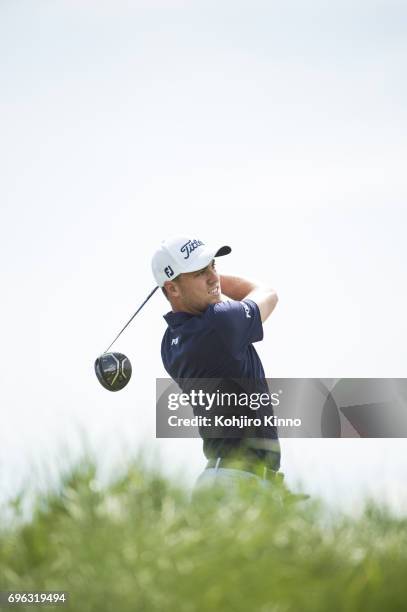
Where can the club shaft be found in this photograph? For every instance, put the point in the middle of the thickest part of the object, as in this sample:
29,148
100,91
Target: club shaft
128,323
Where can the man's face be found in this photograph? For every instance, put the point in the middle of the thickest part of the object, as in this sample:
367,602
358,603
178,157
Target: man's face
197,290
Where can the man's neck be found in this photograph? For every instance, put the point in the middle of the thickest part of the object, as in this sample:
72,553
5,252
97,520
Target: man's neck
182,308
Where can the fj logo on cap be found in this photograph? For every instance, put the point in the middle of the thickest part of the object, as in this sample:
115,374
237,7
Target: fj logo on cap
169,271
190,246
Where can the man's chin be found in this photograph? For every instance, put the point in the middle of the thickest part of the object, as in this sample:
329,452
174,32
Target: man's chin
214,299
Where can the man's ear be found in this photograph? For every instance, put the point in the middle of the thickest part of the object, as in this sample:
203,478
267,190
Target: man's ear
171,289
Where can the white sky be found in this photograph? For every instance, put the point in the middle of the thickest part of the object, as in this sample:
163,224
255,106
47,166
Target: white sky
277,128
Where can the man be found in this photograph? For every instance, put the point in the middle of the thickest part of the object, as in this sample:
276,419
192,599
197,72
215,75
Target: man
214,321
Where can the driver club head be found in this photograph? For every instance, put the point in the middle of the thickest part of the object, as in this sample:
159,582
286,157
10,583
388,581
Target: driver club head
113,371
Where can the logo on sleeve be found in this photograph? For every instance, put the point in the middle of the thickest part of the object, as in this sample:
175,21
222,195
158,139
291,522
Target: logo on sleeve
247,310
174,341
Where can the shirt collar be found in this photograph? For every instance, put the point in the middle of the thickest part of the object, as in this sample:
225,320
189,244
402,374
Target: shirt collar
175,319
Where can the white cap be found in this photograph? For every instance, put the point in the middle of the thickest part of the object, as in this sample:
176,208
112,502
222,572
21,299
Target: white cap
180,254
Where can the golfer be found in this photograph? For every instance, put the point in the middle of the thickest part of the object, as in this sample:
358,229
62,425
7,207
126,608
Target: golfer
213,323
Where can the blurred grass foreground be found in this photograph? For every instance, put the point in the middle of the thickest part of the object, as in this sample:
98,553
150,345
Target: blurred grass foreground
140,543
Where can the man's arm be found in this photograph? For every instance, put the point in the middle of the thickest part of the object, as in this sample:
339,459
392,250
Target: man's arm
238,288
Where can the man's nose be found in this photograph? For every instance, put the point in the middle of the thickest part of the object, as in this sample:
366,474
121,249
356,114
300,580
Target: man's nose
213,275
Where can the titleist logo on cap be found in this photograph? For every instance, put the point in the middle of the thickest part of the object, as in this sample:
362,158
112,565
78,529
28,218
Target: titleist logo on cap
190,246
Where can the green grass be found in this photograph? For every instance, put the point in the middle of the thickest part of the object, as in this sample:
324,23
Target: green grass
139,543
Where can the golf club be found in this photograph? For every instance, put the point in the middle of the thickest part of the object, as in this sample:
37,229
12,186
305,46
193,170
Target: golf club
113,370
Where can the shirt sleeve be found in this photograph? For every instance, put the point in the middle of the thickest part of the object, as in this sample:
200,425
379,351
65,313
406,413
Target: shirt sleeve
237,323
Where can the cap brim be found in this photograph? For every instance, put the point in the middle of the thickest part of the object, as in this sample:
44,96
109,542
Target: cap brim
225,250
206,257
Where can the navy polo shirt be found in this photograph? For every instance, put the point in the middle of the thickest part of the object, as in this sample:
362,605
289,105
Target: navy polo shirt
218,344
